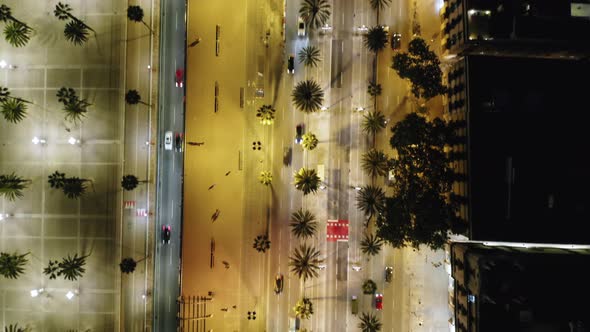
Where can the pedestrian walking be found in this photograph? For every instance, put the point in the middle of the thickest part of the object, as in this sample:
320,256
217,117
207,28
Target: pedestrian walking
211,187
196,143
215,215
226,174
226,264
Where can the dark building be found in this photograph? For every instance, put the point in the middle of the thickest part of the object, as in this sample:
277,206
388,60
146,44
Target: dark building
524,148
541,28
506,289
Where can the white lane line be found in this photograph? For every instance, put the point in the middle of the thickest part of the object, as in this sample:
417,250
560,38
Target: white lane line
172,210
169,304
176,21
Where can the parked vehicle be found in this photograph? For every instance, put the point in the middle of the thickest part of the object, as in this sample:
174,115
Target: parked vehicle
396,41
291,65
166,232
168,140
379,301
354,303
299,133
294,324
179,142
278,283
300,27
388,273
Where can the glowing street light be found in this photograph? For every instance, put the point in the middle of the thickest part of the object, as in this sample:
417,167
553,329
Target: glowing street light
36,140
70,295
73,141
36,292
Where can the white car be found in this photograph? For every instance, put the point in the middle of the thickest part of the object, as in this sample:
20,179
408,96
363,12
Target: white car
300,27
168,140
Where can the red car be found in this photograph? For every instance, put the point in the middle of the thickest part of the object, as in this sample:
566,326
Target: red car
166,230
379,301
179,78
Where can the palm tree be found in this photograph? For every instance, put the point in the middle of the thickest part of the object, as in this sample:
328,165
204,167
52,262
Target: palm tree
135,14
315,13
375,163
303,308
309,56
308,96
132,97
70,267
303,224
73,187
373,122
12,265
13,109
307,180
75,31
16,32
12,186
371,245
261,243
266,114
310,141
369,323
74,107
378,5
369,287
371,200
265,178
130,182
374,89
376,39
304,262
129,264
13,328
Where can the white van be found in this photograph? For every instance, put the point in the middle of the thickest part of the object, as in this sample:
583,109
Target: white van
168,140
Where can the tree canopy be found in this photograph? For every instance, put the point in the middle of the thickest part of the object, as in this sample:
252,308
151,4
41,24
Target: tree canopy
421,66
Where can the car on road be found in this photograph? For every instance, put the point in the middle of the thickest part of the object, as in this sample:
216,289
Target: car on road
379,301
179,78
388,273
178,142
278,283
166,230
291,65
396,41
168,140
300,27
363,29
299,133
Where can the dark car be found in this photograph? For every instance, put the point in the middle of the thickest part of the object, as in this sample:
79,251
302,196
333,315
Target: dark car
278,283
379,301
179,140
166,229
388,273
396,41
299,133
291,65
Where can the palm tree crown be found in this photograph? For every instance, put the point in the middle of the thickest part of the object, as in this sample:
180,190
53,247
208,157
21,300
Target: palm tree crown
310,141
303,224
307,180
304,262
16,32
371,245
12,265
376,39
75,31
13,109
375,163
369,323
261,243
371,200
127,265
308,96
309,56
315,13
129,182
373,122
135,14
11,186
379,4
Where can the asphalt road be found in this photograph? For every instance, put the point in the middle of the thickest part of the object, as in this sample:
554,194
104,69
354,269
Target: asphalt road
170,166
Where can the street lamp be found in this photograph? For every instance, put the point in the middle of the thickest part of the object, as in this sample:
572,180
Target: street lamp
73,141
36,292
70,295
36,140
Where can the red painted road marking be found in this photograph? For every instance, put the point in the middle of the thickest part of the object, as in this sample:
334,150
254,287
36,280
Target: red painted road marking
337,230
